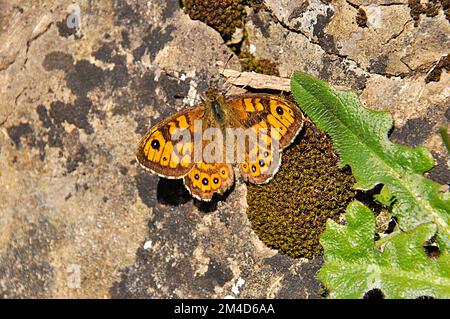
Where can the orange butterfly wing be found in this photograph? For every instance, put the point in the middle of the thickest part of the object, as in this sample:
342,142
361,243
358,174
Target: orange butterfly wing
277,121
205,180
159,153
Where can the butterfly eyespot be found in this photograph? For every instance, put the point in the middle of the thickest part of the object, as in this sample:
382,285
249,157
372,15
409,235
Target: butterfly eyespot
280,110
216,180
155,144
223,172
197,176
266,154
244,165
253,168
205,181
262,163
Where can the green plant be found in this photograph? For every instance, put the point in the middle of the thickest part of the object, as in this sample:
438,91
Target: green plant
445,137
355,265
360,137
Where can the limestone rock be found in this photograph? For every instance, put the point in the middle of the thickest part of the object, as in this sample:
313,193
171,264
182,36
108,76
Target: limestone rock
80,218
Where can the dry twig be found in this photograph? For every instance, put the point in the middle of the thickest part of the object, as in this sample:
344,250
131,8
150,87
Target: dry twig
257,80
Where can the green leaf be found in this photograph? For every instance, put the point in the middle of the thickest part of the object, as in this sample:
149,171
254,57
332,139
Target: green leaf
384,197
353,265
360,136
445,137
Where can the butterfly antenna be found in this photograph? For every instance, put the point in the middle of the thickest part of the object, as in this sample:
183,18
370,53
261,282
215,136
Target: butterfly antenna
227,89
226,63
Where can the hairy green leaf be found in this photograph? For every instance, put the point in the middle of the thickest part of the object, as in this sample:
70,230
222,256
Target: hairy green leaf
360,136
353,265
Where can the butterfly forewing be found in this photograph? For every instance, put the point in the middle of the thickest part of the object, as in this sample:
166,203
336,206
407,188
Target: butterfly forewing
167,148
276,121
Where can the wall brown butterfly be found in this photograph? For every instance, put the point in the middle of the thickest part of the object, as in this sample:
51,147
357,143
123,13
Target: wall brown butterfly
273,119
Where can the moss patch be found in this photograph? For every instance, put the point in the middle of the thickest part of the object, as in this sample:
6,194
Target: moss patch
251,64
361,18
223,15
226,16
255,4
435,74
289,213
430,8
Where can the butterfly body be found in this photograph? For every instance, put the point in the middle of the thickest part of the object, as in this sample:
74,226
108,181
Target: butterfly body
274,120
217,105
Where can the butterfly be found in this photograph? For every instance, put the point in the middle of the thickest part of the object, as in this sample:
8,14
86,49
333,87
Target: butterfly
274,120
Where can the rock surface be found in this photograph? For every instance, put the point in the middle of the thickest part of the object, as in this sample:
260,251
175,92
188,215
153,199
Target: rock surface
79,218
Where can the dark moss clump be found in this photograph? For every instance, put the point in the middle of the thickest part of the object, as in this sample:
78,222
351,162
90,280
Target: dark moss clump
255,4
251,64
290,212
435,74
446,8
223,15
361,18
429,8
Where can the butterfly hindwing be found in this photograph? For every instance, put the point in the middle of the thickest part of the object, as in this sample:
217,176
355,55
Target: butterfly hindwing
159,153
259,168
205,180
